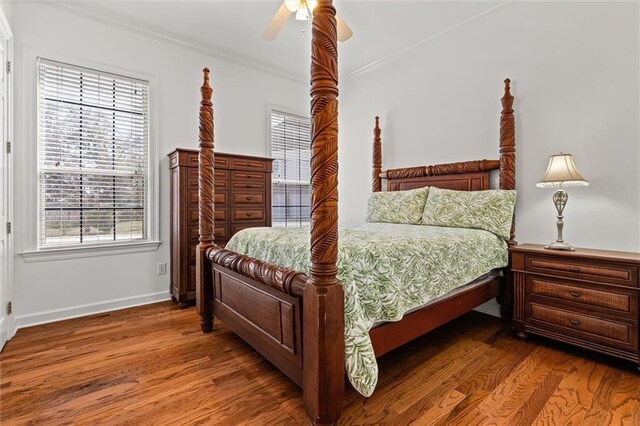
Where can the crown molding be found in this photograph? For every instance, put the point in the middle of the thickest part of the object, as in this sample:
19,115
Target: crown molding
86,11
405,50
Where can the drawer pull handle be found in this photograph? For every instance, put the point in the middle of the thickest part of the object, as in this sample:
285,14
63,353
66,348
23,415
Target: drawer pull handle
574,269
249,198
575,293
249,214
574,322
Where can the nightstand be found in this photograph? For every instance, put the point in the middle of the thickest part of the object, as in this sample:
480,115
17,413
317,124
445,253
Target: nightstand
588,298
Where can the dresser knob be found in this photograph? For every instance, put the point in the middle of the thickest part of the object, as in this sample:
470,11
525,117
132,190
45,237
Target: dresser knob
574,269
249,214
575,294
574,322
249,198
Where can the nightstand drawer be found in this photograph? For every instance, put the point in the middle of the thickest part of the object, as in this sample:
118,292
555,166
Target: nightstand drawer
602,272
622,334
612,300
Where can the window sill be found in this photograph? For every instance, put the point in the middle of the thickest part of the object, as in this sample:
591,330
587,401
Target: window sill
66,253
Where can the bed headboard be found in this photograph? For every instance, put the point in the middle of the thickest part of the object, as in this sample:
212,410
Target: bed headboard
463,176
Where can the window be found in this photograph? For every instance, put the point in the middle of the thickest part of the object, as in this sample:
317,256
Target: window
291,151
93,155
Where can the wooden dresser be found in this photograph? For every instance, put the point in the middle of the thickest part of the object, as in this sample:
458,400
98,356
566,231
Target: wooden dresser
243,200
588,298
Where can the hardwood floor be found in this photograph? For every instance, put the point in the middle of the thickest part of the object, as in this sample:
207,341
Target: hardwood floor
152,365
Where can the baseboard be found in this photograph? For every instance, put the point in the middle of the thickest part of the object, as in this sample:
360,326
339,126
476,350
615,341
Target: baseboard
30,320
7,330
490,308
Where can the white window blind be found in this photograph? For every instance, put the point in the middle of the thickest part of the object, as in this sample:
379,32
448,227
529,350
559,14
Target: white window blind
291,151
93,154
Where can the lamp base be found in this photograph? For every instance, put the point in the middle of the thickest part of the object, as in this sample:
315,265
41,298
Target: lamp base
560,245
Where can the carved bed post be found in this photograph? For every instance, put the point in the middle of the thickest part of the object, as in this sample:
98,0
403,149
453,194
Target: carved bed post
323,300
377,158
206,214
507,181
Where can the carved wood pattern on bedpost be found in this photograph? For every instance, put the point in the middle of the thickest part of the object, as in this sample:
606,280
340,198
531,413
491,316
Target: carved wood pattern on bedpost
508,148
507,181
323,301
377,158
206,207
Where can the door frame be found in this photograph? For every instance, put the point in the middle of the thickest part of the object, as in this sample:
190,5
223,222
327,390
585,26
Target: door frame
7,324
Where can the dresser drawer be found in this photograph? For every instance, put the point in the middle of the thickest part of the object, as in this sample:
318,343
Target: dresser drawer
220,233
248,198
221,161
620,333
220,216
255,177
601,272
192,178
220,198
247,214
248,164
221,179
612,300
248,185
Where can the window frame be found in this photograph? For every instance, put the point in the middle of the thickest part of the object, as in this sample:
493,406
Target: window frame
31,250
284,110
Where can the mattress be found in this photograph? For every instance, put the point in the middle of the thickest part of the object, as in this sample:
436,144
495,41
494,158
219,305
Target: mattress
386,270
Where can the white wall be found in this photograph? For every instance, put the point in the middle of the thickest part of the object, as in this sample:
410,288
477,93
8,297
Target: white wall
7,9
575,76
51,290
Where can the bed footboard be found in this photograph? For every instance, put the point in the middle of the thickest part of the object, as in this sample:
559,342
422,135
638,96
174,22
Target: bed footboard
262,303
267,319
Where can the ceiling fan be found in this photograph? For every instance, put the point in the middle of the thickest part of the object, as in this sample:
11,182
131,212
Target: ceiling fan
303,10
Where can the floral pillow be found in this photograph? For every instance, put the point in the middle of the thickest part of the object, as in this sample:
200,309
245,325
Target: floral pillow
490,210
397,206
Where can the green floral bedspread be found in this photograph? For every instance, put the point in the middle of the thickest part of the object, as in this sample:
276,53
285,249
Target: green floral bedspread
386,270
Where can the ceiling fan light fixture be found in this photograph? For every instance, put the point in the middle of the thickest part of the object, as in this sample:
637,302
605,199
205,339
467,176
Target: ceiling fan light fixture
292,5
303,13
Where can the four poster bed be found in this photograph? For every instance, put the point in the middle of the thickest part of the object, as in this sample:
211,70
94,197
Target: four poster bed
297,320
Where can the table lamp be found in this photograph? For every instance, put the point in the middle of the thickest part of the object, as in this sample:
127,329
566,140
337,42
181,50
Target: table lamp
561,173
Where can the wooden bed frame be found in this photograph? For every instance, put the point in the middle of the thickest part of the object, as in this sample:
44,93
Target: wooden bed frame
263,303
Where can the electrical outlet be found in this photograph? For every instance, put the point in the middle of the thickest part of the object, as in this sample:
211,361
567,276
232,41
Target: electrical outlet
162,268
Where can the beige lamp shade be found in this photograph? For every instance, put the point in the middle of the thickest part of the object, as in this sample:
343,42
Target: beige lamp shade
562,172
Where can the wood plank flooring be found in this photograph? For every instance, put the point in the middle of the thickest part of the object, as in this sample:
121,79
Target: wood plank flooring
152,366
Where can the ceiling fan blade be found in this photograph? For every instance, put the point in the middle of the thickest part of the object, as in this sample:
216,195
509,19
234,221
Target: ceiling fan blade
277,22
344,32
